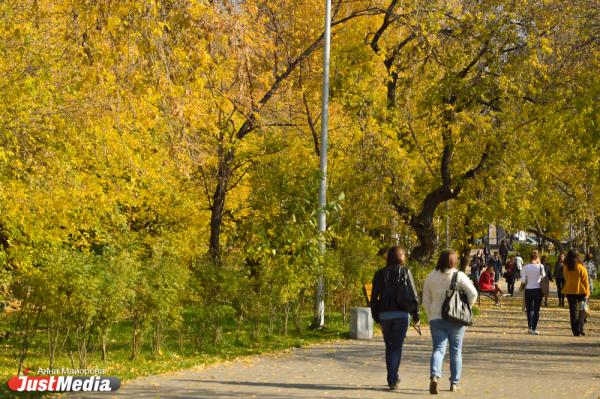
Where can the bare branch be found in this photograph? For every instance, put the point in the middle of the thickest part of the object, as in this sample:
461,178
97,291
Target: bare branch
311,125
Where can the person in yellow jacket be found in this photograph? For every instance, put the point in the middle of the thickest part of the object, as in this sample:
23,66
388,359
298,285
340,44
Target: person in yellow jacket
576,289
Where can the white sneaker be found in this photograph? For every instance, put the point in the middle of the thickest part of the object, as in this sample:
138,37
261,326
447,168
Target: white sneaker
529,331
535,332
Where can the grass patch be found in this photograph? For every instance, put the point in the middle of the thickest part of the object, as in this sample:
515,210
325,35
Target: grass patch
596,291
178,352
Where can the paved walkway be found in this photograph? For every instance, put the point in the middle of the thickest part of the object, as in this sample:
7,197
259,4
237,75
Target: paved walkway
500,360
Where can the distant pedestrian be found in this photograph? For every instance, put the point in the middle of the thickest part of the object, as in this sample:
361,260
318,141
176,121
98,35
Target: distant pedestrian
531,279
503,251
519,262
510,275
591,268
559,277
548,276
443,331
476,266
496,262
488,285
577,290
391,310
486,255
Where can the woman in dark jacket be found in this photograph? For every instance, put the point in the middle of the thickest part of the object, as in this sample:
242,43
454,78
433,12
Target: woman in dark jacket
559,277
548,272
510,275
393,316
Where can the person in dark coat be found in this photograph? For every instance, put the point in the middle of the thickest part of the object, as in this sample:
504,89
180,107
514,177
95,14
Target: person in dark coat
510,275
503,251
393,317
548,272
559,277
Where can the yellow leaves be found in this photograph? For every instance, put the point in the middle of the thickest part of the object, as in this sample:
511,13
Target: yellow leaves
545,46
113,23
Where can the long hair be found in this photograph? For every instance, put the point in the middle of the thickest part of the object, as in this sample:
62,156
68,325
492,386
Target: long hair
535,255
447,260
395,256
571,260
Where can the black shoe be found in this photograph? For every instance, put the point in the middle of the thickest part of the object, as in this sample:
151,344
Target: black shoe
582,334
393,387
433,385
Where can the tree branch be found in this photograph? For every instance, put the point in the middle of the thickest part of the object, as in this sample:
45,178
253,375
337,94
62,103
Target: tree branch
474,172
385,24
462,74
311,126
249,124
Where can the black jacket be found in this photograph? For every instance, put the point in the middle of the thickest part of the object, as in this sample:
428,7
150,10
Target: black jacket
558,271
388,304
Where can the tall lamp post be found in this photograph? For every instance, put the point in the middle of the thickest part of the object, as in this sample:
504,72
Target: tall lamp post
319,315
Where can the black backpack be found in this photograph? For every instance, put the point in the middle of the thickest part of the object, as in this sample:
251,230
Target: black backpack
398,291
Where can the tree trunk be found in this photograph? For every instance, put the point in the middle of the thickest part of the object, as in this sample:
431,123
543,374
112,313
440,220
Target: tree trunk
136,336
218,202
53,334
104,345
391,90
286,318
422,223
425,234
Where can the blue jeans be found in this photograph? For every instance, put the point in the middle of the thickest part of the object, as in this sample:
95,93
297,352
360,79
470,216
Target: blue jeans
394,332
443,331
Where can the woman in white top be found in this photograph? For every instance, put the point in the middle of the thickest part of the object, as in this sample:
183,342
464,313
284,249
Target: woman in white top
519,261
531,276
434,292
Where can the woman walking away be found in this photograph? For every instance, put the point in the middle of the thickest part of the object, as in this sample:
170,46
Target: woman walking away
444,331
548,278
503,251
531,278
577,290
393,298
560,279
510,275
519,262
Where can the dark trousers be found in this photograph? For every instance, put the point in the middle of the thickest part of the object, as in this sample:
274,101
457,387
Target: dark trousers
394,332
510,282
561,297
577,322
533,301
